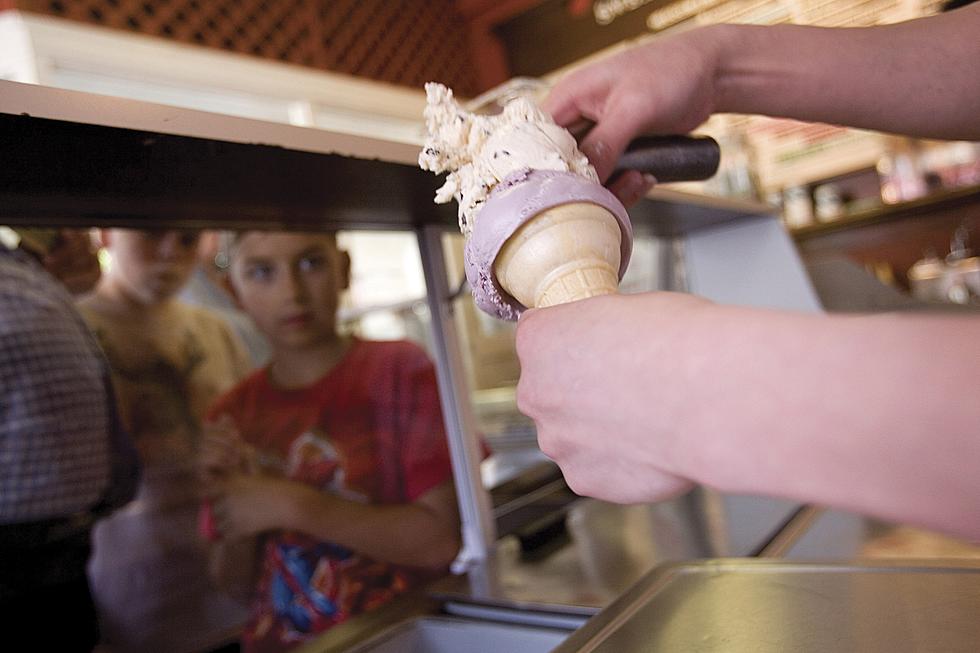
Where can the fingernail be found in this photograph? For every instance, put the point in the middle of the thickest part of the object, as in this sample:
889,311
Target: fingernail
595,148
643,186
595,151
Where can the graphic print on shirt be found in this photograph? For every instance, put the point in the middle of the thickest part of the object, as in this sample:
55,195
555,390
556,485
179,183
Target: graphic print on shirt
302,588
313,460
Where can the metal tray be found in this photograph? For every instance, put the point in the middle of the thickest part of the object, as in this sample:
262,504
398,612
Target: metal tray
762,606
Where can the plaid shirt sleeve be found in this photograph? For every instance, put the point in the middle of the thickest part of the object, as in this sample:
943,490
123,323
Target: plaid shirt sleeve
55,421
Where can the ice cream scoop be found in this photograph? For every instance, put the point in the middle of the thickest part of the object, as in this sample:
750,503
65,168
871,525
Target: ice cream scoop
540,229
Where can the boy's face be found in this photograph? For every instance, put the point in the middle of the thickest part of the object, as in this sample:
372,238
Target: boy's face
290,284
151,266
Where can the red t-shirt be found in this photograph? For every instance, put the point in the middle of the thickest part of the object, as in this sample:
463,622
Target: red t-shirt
370,430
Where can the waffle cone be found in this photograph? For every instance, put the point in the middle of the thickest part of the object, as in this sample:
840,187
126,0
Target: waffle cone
561,255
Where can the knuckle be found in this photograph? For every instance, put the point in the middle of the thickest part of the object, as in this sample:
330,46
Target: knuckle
550,445
576,483
525,396
526,334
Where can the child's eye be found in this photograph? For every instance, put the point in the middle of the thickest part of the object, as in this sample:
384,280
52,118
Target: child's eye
312,262
259,272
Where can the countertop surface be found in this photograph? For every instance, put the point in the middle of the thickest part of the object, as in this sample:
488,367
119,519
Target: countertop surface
763,605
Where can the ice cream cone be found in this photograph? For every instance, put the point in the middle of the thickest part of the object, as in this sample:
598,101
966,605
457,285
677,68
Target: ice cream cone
563,254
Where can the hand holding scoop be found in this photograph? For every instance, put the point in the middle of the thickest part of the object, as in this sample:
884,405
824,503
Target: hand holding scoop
547,231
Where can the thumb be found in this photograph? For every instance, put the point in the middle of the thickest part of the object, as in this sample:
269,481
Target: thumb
605,143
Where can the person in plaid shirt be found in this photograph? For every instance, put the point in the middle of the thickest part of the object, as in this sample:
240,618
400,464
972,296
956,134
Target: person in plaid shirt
64,459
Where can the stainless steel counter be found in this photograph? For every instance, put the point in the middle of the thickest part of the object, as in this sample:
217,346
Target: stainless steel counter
759,606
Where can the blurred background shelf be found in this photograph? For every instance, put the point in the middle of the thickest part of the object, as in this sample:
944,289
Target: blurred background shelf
937,205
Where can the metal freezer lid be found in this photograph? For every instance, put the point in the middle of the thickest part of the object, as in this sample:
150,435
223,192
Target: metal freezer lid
760,606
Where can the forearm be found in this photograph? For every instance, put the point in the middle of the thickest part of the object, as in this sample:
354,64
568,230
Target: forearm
404,534
917,78
876,414
233,565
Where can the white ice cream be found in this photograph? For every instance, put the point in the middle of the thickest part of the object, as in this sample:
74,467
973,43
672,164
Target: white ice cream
480,151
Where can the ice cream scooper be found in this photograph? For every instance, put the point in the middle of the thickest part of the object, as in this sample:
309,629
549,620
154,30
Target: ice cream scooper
540,229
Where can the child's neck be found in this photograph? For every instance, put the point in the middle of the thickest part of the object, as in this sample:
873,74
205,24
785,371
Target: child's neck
299,368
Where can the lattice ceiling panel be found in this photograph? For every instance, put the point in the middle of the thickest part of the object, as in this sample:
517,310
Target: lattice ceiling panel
399,41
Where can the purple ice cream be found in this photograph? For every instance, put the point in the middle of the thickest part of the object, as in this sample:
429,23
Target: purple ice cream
512,203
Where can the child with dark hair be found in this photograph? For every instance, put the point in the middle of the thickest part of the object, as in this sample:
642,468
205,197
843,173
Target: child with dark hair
330,482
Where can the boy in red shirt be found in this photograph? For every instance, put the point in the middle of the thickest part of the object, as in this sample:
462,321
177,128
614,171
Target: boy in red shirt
330,483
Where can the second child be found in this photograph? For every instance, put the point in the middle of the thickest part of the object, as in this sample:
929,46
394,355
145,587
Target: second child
169,362
331,488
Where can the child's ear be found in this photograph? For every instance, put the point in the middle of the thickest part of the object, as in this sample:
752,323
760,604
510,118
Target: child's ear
344,270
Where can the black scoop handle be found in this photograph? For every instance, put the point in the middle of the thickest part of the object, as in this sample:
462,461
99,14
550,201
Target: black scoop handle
672,158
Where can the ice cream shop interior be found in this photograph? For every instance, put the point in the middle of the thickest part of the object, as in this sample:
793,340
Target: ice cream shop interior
489,326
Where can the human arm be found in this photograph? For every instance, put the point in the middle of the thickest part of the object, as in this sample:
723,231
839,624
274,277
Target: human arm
223,451
423,533
876,414
232,562
233,565
917,78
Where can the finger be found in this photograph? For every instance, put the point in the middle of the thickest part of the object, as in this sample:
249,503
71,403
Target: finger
563,107
605,143
577,97
631,186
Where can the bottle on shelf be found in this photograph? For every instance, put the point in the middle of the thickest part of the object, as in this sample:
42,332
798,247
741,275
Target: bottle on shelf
828,202
901,178
797,207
